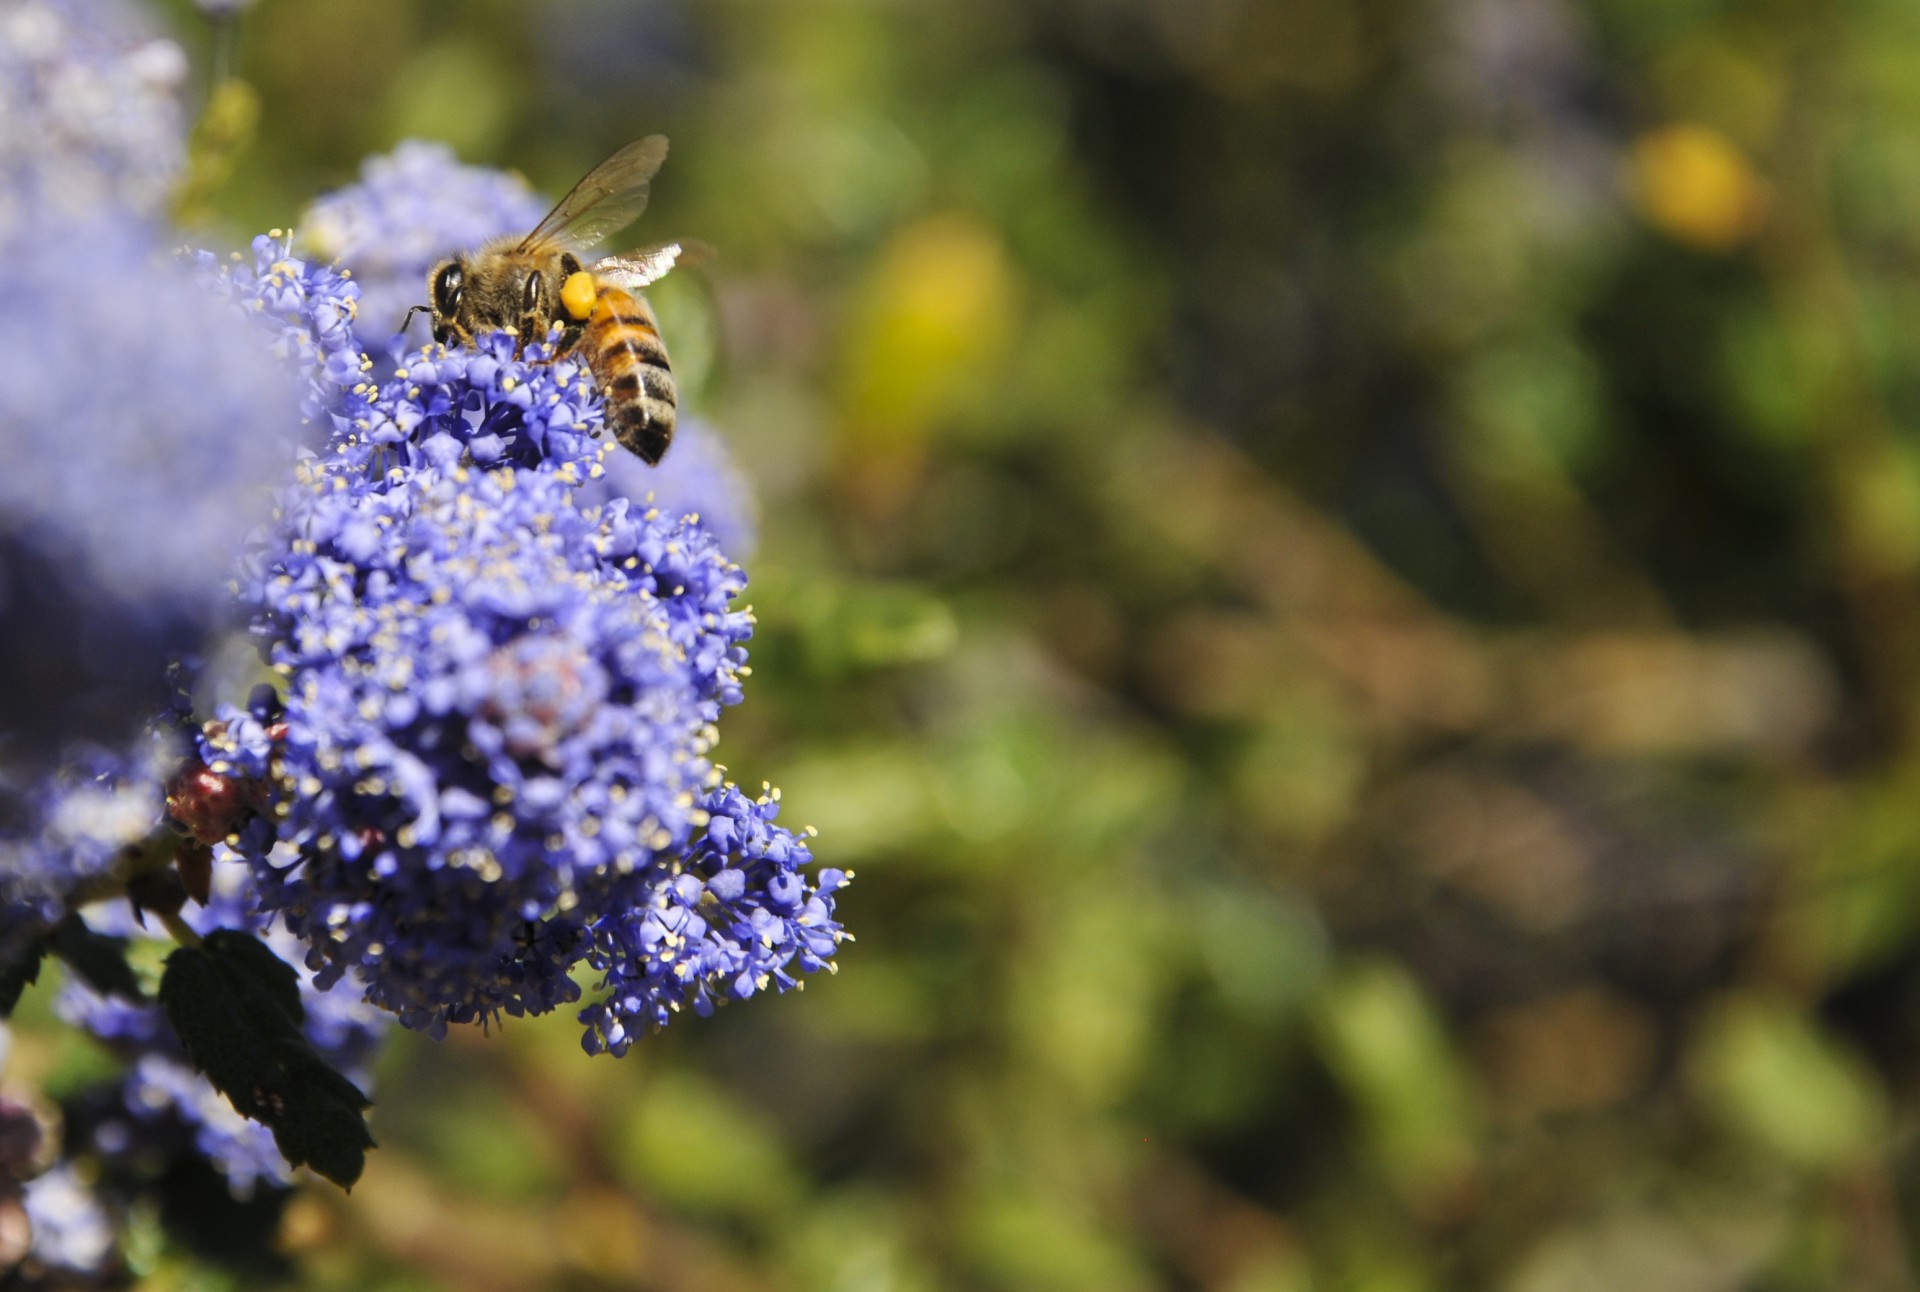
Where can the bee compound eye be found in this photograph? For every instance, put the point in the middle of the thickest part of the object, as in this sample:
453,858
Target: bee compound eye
534,291
446,287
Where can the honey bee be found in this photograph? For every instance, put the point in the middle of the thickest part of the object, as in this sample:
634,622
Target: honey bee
527,285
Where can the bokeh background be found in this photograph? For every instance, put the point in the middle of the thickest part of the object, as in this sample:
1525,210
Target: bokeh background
1342,571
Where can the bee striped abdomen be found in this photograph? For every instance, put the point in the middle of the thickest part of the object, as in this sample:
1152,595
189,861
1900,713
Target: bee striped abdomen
628,359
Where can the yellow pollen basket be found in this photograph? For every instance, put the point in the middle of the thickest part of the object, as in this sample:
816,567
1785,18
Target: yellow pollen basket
577,294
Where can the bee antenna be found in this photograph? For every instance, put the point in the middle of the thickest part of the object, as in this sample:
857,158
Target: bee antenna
417,309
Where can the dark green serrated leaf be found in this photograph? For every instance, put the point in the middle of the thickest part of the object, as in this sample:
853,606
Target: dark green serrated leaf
15,978
99,959
209,1020
236,1007
324,1127
266,976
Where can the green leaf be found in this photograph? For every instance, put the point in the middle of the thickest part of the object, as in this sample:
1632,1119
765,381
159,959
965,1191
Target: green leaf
21,974
236,1007
1386,1044
97,958
1781,1081
268,979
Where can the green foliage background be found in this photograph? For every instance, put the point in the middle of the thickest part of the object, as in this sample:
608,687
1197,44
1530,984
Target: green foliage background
1343,573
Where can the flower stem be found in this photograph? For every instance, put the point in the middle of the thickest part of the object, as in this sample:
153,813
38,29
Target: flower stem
182,931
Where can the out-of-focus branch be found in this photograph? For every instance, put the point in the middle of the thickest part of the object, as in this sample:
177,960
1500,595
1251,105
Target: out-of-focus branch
1412,668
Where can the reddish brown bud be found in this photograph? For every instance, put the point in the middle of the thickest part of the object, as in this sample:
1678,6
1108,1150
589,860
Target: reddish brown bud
207,805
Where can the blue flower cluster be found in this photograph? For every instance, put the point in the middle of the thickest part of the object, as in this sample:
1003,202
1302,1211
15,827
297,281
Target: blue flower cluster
734,916
505,644
502,646
487,711
500,701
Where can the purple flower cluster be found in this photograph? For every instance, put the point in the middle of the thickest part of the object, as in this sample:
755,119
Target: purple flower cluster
502,648
488,712
500,700
734,916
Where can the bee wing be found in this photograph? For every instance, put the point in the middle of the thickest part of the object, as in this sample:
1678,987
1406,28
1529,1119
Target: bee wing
650,264
608,199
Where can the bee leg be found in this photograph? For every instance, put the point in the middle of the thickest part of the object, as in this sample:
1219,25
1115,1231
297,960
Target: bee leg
569,338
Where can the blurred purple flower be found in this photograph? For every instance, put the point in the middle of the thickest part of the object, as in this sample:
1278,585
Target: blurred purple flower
698,477
92,111
143,417
73,1233
75,827
140,418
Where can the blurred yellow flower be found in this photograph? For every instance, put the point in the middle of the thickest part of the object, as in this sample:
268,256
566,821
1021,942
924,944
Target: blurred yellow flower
939,308
1696,186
